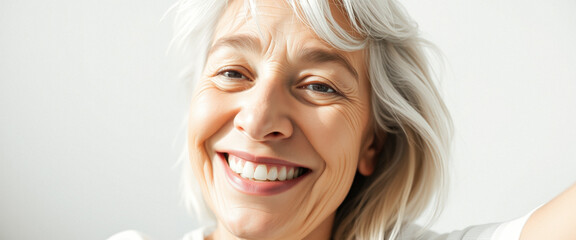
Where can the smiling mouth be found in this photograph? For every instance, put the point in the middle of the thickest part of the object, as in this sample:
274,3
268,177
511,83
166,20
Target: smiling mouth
261,172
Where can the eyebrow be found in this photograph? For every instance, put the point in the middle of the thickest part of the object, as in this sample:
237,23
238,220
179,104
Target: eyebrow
312,55
318,55
241,41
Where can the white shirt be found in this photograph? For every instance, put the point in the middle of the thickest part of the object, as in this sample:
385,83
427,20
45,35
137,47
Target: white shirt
496,231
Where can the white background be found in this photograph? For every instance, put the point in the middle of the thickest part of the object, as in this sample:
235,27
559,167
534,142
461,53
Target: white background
91,110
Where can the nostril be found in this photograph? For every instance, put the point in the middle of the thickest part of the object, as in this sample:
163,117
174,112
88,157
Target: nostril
268,127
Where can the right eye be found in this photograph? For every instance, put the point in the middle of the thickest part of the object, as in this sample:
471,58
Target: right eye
232,79
232,74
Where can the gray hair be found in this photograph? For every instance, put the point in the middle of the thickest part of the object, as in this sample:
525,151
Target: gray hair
411,121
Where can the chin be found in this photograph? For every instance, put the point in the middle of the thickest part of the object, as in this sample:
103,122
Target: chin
247,216
249,224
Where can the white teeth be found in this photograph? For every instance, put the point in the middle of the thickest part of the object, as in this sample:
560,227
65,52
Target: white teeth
273,174
282,174
290,174
260,173
239,166
248,170
232,164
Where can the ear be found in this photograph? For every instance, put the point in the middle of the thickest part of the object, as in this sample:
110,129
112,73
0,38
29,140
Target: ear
367,159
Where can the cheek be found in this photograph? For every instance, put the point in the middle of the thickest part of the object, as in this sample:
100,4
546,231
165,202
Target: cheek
336,134
209,114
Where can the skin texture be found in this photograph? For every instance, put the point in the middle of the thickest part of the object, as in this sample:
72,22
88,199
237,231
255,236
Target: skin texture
266,91
554,220
272,88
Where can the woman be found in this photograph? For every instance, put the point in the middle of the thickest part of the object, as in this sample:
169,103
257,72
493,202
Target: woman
318,120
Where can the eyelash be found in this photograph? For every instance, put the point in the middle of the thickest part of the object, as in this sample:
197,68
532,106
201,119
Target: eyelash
224,72
314,87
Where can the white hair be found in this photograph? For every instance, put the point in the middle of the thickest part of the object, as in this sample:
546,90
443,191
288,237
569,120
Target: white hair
411,122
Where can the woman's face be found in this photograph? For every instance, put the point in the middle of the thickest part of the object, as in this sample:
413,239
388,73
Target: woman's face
279,125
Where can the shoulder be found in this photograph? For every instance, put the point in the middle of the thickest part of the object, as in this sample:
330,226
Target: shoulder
197,234
415,232
412,231
485,231
128,235
509,230
495,231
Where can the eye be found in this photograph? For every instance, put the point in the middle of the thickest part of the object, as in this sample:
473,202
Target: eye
232,79
232,74
318,87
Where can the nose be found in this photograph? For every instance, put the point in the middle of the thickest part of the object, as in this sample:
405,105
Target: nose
264,114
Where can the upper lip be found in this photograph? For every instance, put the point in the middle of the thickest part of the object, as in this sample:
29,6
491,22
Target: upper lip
261,159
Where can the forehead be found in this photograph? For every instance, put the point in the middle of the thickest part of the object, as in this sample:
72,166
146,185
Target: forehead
274,24
261,18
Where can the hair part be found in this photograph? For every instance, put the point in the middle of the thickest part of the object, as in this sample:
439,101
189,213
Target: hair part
411,121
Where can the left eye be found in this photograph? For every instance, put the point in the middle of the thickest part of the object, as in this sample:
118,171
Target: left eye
323,88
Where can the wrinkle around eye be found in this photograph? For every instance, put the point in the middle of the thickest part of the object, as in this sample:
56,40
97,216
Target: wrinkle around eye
319,98
228,75
333,76
330,89
231,84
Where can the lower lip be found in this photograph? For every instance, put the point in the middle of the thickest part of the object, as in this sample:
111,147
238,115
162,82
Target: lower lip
258,188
